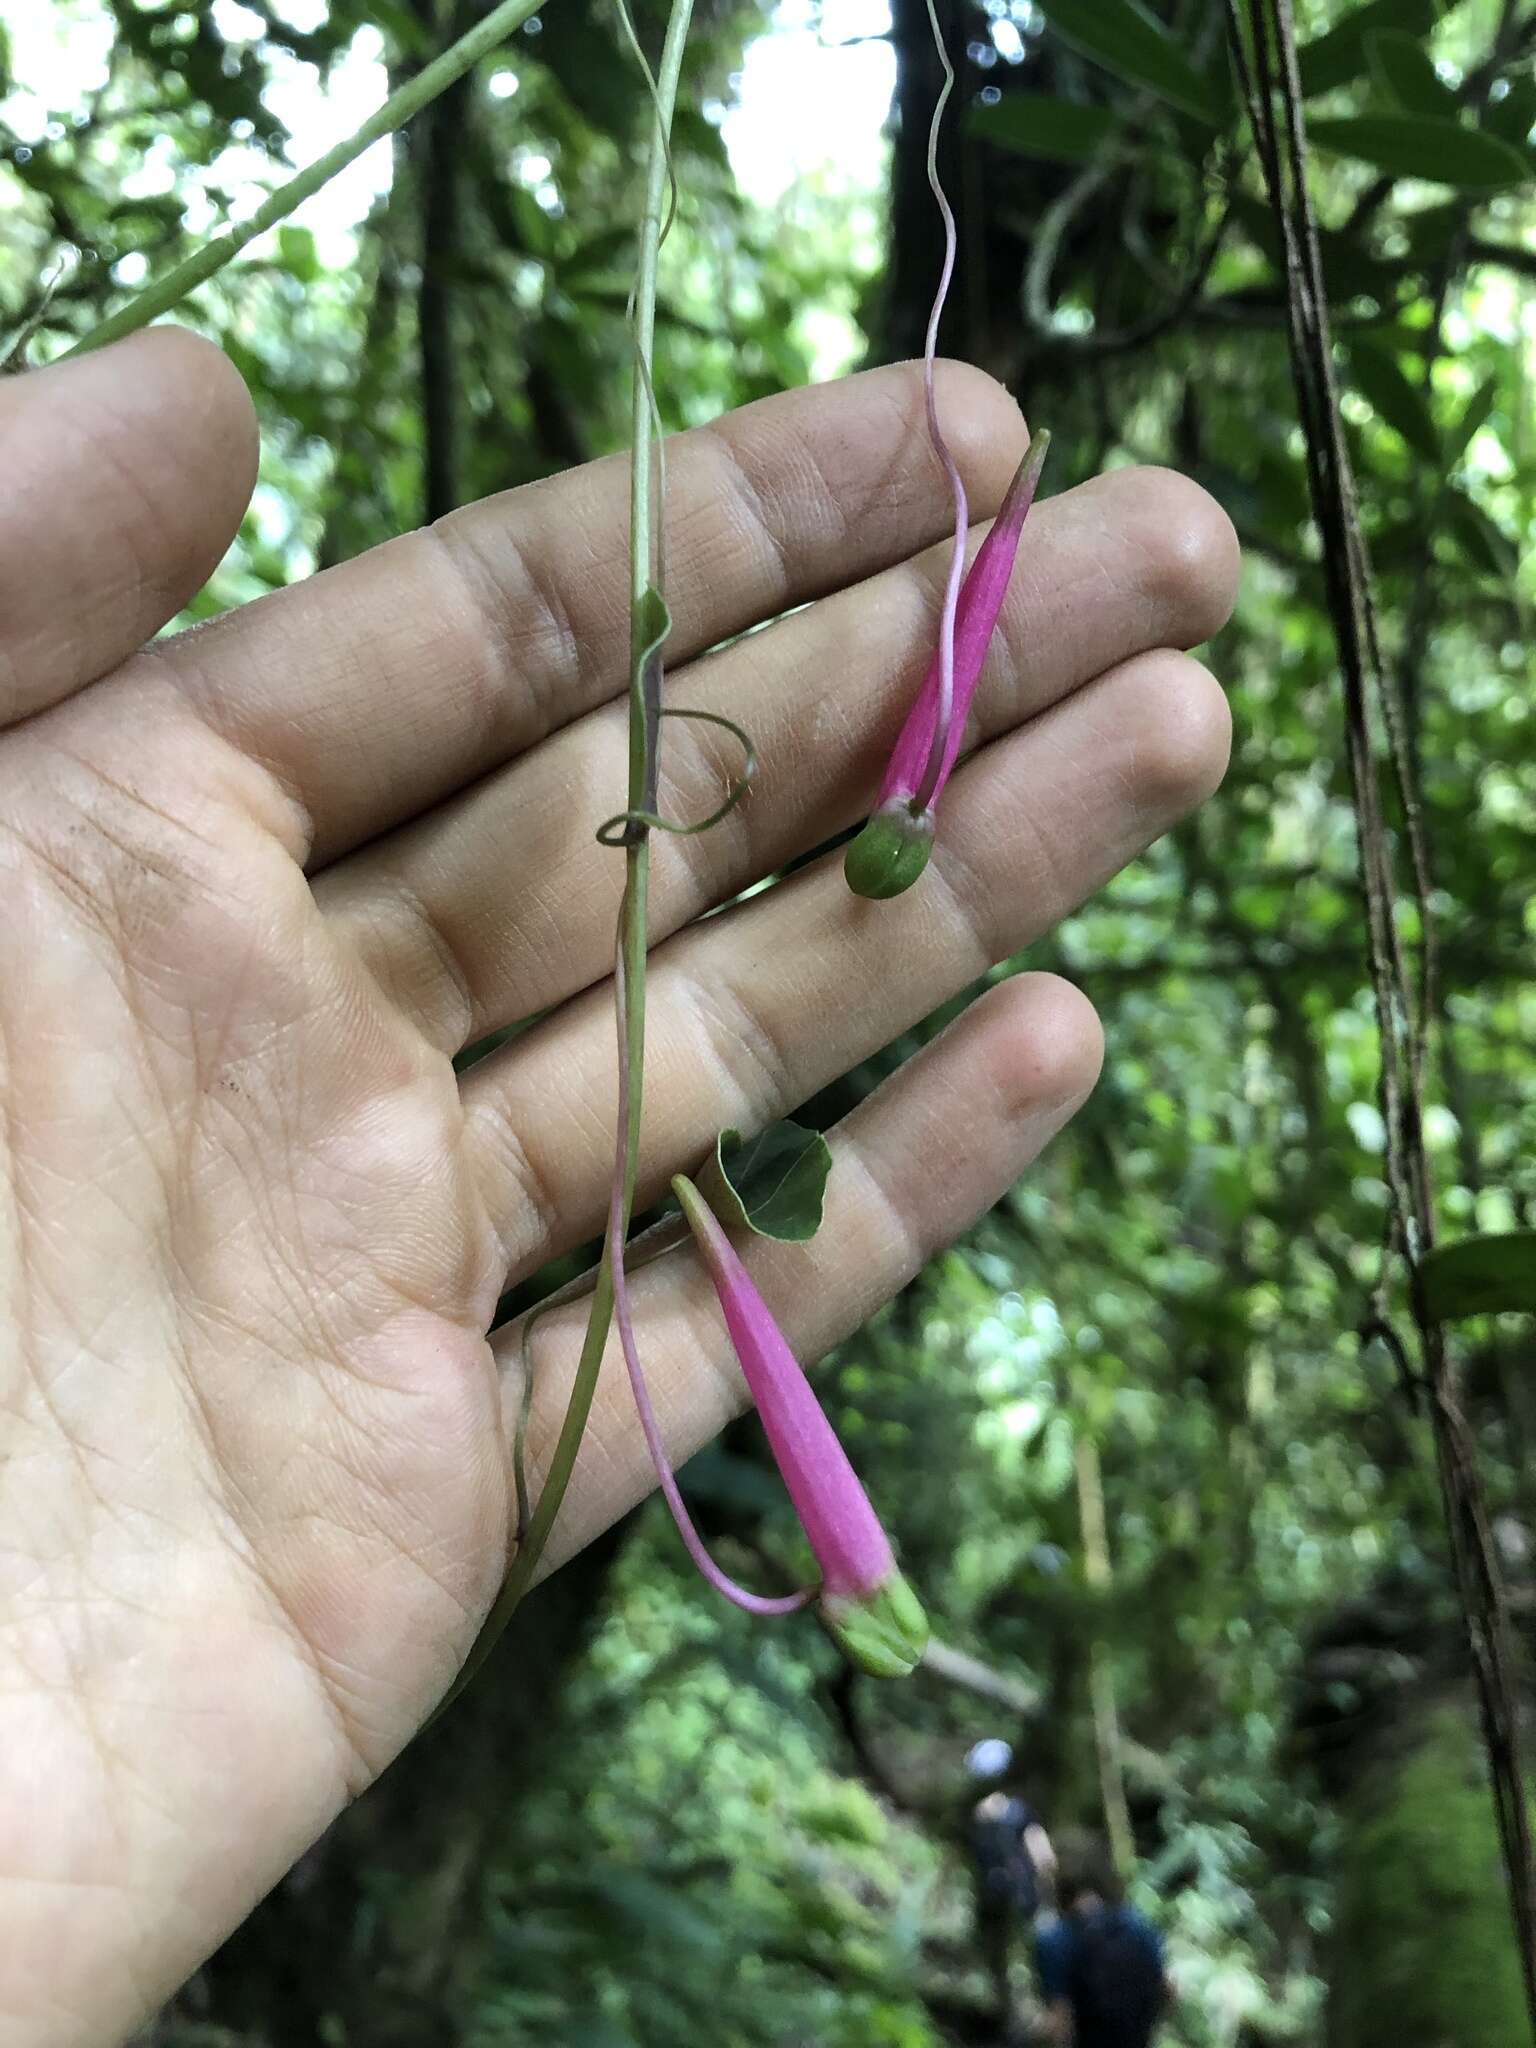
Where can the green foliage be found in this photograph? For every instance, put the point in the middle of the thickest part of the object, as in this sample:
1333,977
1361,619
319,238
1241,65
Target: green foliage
1406,73
1481,1276
1416,146
1422,1933
1059,130
1131,41
771,1183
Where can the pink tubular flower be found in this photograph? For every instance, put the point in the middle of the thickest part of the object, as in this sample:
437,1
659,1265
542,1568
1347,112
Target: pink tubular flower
865,1603
893,849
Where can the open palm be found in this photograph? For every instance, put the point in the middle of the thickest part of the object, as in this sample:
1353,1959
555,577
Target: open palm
260,883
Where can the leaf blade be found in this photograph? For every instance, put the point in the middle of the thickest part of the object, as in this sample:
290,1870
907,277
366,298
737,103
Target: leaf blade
1479,1276
1394,397
772,1184
1411,146
1134,45
1402,66
1339,56
1033,124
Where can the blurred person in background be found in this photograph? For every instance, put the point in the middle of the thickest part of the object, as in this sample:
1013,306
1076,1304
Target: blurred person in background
1103,1976
1013,1860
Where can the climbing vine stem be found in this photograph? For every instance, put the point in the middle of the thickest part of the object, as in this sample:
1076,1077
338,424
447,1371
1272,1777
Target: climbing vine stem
648,627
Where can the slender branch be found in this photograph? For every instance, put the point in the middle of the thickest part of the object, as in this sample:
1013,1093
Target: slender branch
206,262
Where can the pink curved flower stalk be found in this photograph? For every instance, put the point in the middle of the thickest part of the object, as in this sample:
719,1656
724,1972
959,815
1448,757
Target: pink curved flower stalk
723,1583
865,1603
893,849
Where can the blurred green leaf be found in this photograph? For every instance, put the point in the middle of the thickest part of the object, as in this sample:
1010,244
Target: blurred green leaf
599,255
1441,152
1480,539
1480,1276
1478,408
1133,44
1032,124
1514,116
296,253
1379,377
1341,54
1405,70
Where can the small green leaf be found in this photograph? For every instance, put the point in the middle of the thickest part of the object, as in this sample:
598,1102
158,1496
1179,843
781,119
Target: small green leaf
1379,377
296,253
1033,124
1410,146
1406,72
534,232
1479,406
1485,544
1431,232
601,255
1341,55
1134,45
1513,117
772,1183
1481,1276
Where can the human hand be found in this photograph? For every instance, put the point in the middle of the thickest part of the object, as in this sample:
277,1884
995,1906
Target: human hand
262,881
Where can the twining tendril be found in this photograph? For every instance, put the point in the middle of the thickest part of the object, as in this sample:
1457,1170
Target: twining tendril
631,36
652,669
616,831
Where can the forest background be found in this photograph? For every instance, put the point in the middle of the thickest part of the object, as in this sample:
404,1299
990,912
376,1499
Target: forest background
1171,1502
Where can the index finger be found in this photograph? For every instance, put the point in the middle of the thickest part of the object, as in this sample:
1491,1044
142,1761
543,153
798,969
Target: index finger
378,688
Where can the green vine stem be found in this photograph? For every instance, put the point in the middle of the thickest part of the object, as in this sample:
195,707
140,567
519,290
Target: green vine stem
206,262
662,1237
647,628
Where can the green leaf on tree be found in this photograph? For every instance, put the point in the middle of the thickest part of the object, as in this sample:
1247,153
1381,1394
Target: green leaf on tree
1379,377
1133,44
1342,55
1484,544
1406,72
1480,1276
773,1183
296,253
1412,146
1514,116
1479,406
1032,124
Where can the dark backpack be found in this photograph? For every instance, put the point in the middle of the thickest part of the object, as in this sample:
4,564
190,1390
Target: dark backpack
1115,1982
